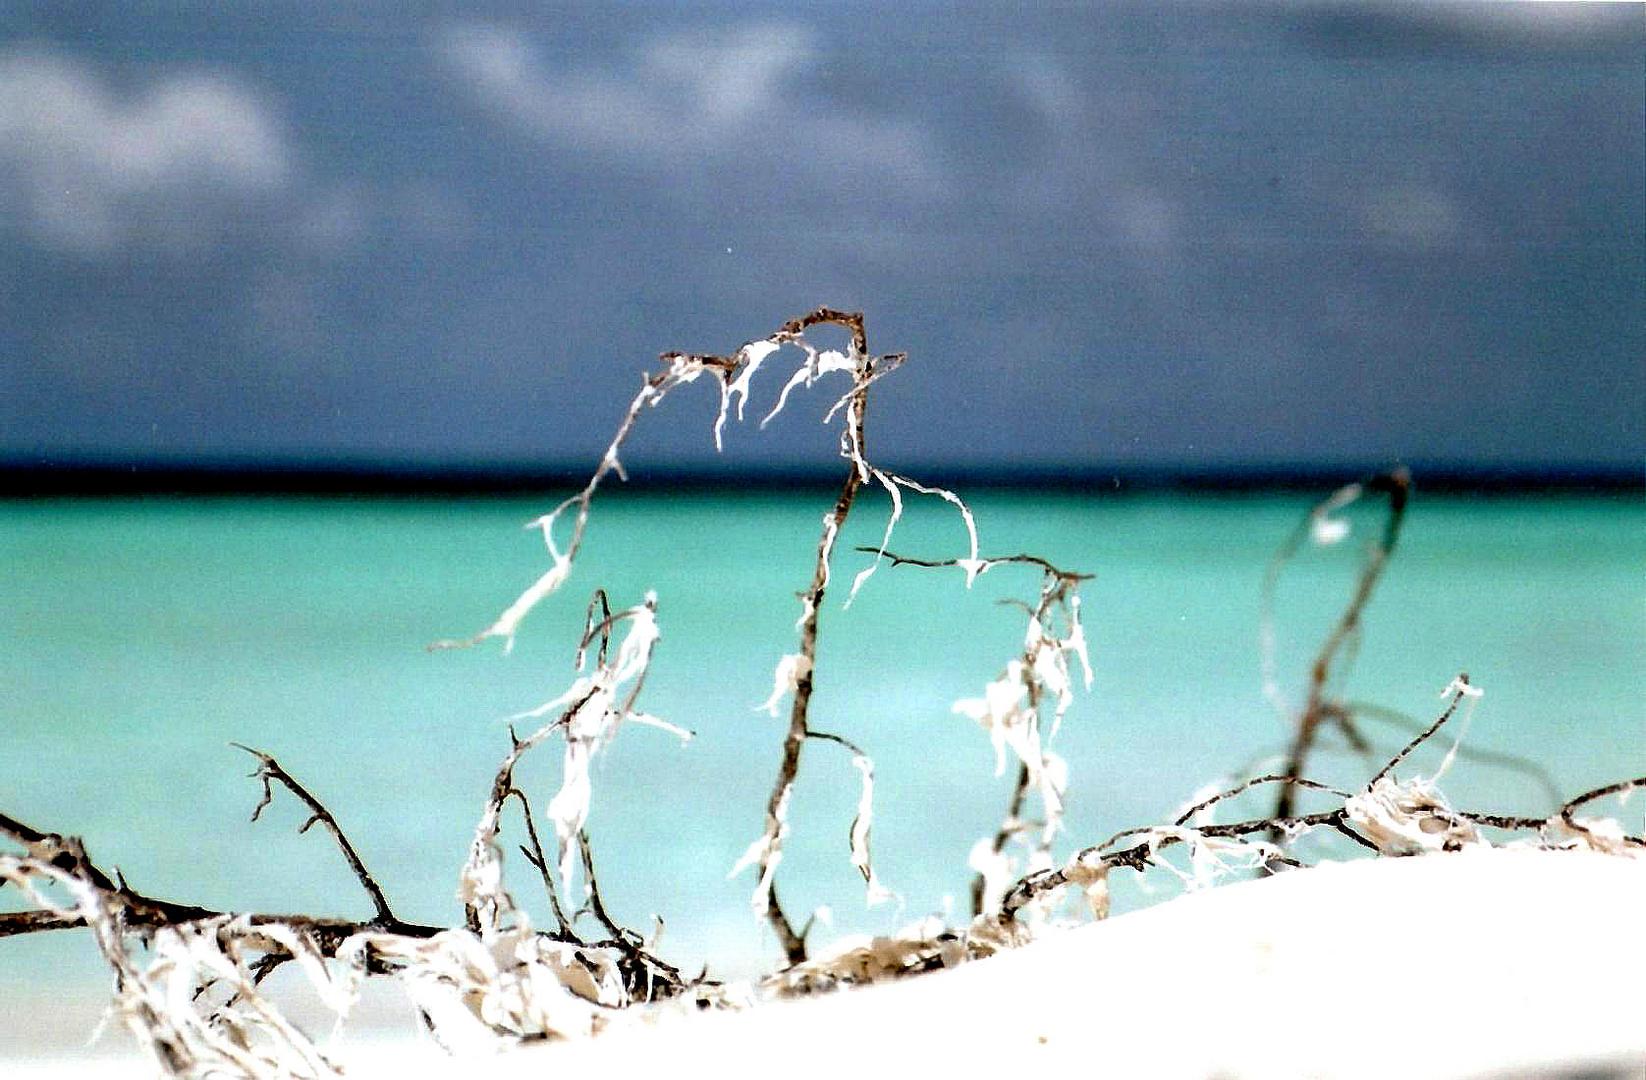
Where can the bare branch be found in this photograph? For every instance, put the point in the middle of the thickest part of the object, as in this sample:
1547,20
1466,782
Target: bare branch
1010,825
648,977
536,856
1618,788
837,740
1274,778
29,922
1513,762
1458,694
503,788
987,561
269,772
1600,793
792,942
733,373
591,627
769,848
1395,485
1041,660
1057,588
143,913
1425,814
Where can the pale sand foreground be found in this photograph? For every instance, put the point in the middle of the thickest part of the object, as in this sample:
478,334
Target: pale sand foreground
1494,963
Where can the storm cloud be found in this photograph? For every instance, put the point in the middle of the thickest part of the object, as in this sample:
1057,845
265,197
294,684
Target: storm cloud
1108,236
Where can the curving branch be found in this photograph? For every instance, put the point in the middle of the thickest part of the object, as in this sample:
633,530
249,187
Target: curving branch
1395,485
1462,690
1619,788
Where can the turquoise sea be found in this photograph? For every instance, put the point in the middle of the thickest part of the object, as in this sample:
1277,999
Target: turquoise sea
138,637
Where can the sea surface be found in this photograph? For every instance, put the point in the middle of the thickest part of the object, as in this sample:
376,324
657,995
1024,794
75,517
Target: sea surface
140,637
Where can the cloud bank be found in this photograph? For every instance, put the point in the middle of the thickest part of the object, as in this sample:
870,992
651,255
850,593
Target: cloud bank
687,100
1271,233
91,167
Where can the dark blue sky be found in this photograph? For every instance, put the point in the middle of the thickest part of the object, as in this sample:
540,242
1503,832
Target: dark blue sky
1193,237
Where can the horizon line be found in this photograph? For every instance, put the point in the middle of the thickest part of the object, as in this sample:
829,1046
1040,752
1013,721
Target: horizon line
49,479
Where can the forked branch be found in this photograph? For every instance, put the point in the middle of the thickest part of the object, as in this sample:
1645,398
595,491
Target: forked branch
270,772
1011,706
140,912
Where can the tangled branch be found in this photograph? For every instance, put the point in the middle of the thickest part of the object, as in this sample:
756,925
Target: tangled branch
496,978
1388,816
188,977
795,673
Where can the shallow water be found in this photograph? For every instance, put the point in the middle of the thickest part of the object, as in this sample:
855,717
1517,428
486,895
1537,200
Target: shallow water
142,636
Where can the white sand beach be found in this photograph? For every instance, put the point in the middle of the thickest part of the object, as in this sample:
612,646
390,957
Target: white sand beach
1492,963
1500,963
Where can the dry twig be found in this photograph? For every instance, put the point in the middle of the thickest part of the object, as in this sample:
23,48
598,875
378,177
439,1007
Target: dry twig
1395,486
796,671
1386,816
270,772
1011,706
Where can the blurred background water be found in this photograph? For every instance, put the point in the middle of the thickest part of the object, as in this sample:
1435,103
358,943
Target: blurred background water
141,636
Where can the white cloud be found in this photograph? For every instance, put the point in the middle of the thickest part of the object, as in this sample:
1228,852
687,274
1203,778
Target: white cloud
90,168
737,91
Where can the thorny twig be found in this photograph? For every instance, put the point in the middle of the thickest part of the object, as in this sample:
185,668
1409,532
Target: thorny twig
139,912
145,913
269,771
